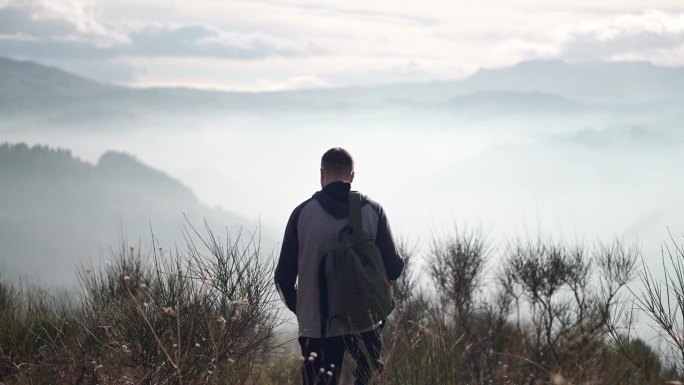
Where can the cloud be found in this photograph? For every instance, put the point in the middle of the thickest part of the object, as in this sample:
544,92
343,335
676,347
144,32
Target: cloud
625,34
396,72
362,10
207,41
357,43
650,35
293,83
70,29
69,20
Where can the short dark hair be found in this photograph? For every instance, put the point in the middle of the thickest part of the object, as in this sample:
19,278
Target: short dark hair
337,160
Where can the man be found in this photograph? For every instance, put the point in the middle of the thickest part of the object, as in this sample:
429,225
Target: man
312,227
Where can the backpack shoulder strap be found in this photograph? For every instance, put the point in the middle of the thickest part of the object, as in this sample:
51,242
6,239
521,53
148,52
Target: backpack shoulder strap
355,214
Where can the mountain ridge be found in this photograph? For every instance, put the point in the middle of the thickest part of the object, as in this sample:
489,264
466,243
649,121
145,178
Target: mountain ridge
609,89
544,69
57,208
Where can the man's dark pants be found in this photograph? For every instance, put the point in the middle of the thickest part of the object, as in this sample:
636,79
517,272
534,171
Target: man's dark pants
364,348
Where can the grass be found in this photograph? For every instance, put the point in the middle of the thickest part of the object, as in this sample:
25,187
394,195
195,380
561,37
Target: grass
208,314
181,317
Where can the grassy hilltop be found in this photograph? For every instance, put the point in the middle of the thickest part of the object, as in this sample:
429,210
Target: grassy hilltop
552,313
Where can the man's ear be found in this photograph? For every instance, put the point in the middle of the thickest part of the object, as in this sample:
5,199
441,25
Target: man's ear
321,177
351,179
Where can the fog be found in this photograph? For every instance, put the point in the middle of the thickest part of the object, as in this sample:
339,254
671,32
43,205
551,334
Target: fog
427,179
264,172
513,163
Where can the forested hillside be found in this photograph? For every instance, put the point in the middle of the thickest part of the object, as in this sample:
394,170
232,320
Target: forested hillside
57,209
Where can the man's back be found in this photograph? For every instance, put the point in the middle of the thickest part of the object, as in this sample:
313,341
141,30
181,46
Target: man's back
313,226
318,223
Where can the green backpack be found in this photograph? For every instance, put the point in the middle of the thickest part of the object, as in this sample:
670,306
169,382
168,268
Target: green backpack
353,268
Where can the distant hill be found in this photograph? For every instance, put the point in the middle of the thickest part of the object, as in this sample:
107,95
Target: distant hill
516,102
33,95
21,78
631,82
56,210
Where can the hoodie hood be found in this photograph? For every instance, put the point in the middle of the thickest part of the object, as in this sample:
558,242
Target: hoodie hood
334,197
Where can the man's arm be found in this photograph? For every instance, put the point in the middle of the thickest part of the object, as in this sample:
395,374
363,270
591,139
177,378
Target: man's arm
394,264
286,270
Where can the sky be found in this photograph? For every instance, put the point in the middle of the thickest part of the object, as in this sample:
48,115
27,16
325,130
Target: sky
278,45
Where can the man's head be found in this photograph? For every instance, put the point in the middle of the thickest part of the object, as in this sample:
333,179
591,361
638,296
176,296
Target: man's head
337,165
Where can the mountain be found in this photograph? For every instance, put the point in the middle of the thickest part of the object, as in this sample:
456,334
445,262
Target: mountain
631,82
21,78
33,95
57,211
598,131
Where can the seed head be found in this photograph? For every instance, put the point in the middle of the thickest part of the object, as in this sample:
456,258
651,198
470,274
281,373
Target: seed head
241,302
557,379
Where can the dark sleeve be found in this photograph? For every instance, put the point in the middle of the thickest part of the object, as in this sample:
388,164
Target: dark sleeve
383,239
286,270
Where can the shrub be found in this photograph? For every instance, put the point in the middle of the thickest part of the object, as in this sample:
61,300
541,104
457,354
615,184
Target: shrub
662,300
205,314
